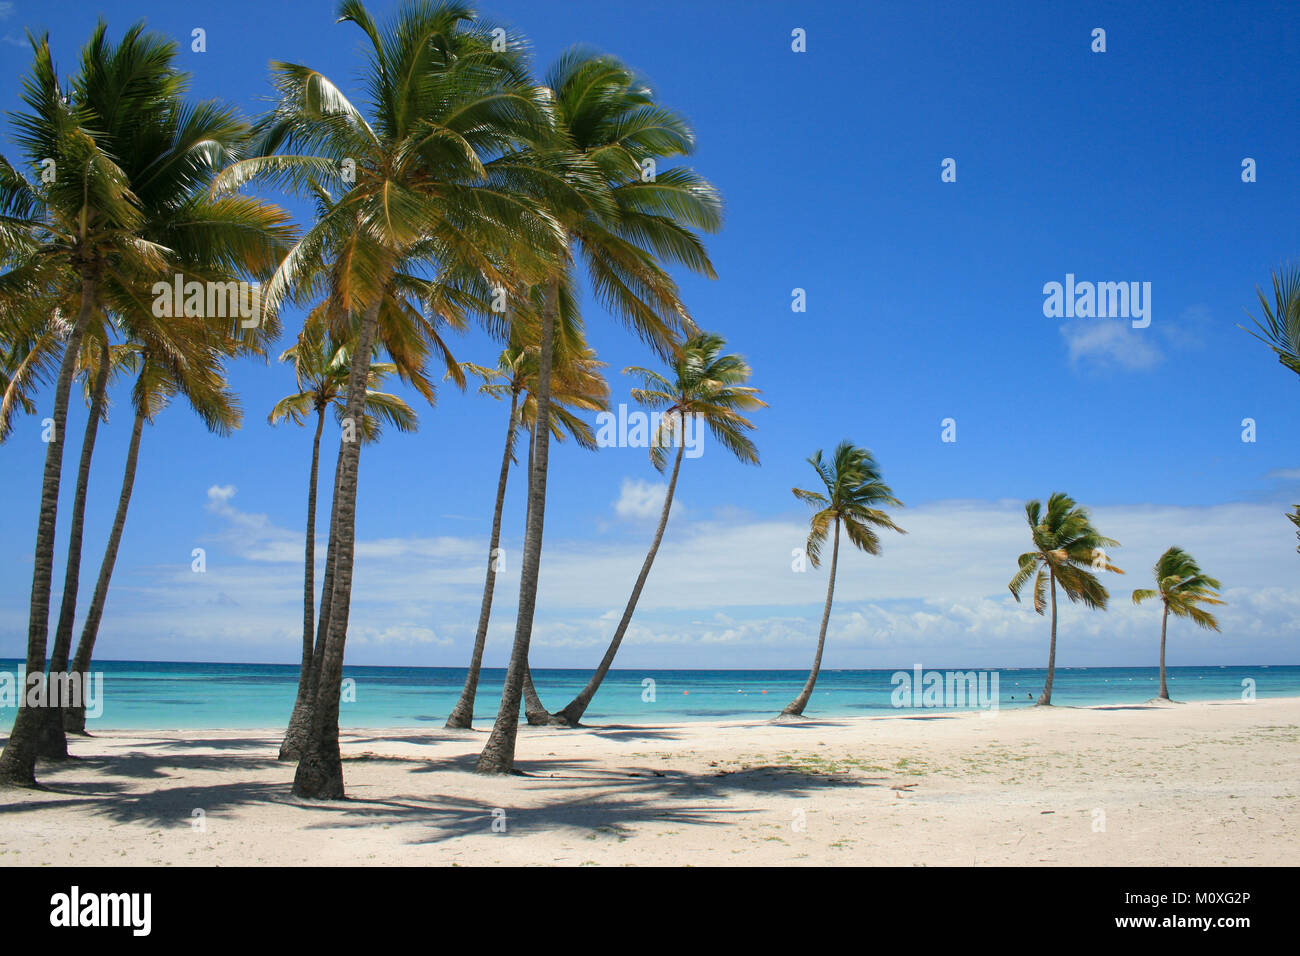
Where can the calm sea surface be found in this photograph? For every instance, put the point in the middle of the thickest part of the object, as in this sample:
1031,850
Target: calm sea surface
157,696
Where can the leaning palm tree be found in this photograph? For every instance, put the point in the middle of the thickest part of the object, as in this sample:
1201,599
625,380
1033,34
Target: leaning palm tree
1182,588
416,189
612,120
708,388
321,366
127,206
189,363
577,385
1067,550
854,495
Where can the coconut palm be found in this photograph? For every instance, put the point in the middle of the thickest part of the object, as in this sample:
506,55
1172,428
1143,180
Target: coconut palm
1182,588
1279,324
706,387
1067,551
1294,517
126,206
185,356
577,385
419,184
321,367
855,494
605,113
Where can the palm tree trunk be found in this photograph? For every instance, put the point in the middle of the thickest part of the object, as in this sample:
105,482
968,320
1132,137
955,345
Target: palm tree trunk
535,711
796,706
295,738
18,760
290,747
74,717
1045,699
498,754
462,715
572,713
1164,624
54,742
320,767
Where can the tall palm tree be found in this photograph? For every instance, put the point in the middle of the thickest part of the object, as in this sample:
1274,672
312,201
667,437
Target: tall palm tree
321,366
417,188
709,388
1067,550
128,206
855,494
1182,588
578,384
611,119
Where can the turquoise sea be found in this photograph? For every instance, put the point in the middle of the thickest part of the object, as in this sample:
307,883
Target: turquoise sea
160,695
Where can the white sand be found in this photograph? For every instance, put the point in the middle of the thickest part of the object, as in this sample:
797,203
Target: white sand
1199,783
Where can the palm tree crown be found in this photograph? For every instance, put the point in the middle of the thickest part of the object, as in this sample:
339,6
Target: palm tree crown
1066,547
1183,587
854,492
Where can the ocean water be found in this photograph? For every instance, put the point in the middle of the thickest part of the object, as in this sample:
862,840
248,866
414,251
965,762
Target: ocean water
159,695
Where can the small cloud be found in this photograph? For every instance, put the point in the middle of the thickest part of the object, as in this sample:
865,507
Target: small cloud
640,500
1109,343
1283,474
6,9
219,497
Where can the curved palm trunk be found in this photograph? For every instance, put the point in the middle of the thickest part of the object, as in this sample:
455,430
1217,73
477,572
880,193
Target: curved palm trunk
535,711
796,706
18,760
1046,698
74,717
462,715
498,754
54,742
1164,625
288,748
320,766
572,713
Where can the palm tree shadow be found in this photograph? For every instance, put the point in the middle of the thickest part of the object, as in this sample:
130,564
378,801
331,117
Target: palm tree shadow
627,797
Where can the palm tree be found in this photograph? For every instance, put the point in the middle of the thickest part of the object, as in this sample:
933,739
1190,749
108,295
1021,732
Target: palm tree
611,119
321,367
200,378
708,387
128,205
1182,587
418,188
1279,326
1067,550
854,495
578,384
1294,517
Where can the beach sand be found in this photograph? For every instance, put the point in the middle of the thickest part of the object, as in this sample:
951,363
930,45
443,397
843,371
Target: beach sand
1201,783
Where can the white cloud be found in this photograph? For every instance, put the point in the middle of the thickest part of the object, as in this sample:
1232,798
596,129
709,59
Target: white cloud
6,9
1110,343
642,500
722,594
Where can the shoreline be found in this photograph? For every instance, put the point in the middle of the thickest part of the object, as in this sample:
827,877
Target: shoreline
484,724
1203,783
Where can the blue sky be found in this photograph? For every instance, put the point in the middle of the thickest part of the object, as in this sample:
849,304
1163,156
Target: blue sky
924,301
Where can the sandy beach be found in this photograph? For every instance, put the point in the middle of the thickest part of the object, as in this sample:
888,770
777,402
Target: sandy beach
1200,783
